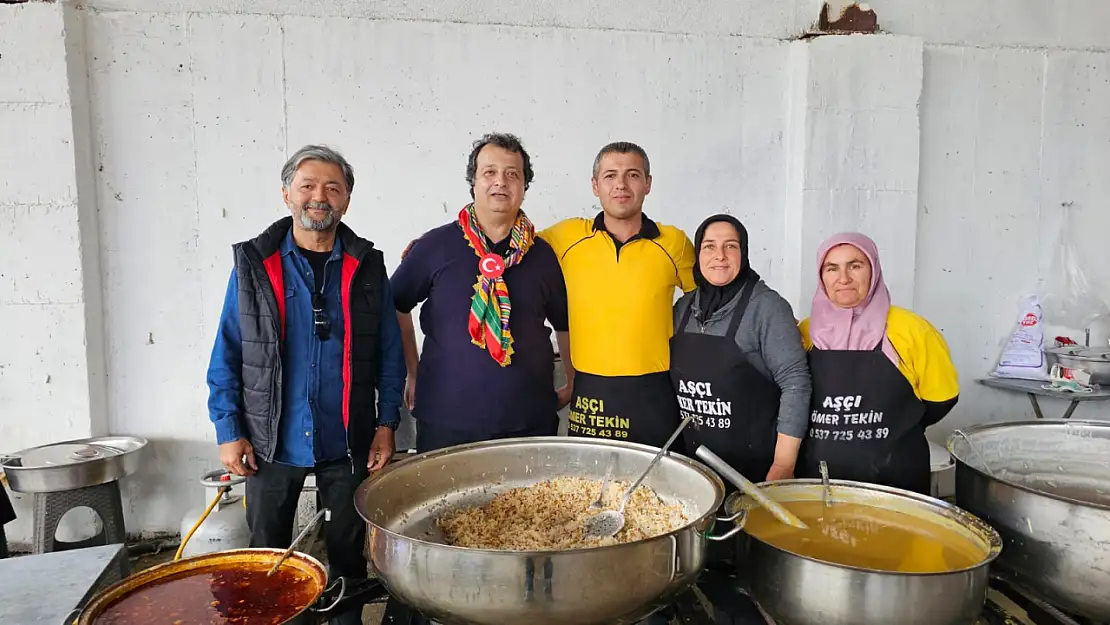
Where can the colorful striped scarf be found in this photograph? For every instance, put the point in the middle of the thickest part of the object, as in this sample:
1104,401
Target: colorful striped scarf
490,306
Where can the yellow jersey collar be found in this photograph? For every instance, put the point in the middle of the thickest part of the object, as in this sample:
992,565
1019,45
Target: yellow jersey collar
648,228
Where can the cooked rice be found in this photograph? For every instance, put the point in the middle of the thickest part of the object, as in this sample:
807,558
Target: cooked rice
551,515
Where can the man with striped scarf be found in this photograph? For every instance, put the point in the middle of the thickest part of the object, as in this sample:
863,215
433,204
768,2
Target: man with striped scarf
487,286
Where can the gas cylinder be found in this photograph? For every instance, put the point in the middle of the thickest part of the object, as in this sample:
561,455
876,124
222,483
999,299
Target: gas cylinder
225,527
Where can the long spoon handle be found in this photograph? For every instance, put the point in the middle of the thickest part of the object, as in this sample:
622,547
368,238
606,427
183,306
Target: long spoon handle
608,474
741,482
658,455
326,513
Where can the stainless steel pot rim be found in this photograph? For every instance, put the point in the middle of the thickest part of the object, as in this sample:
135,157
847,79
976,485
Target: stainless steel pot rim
711,475
981,427
155,571
1081,352
139,579
995,539
134,444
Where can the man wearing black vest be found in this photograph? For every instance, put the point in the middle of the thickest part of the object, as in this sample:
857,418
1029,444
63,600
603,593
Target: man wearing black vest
307,336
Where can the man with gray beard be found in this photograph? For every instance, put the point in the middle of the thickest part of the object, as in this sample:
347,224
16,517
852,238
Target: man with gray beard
307,337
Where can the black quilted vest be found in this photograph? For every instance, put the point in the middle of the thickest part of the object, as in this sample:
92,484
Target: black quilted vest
260,321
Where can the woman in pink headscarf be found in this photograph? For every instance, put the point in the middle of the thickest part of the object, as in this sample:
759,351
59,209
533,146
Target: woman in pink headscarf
881,374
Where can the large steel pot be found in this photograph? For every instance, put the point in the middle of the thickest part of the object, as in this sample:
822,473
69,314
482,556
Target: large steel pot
613,585
798,590
1045,486
320,600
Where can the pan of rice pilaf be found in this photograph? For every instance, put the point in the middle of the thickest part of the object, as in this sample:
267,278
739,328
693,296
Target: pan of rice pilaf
491,533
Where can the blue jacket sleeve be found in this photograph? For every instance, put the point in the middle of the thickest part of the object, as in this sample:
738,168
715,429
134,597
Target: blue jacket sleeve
391,374
225,370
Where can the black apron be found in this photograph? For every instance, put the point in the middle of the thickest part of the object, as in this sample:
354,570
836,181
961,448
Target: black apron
638,408
865,422
735,406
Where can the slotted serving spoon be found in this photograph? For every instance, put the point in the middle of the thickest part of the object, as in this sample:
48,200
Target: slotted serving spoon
608,523
596,505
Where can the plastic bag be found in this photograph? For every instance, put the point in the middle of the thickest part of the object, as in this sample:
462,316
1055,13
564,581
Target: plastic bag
1068,296
1023,354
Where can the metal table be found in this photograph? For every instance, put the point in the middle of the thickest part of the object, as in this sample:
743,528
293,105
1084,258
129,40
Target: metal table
1035,388
48,588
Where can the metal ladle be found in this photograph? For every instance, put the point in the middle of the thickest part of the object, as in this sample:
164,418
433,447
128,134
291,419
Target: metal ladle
326,513
824,468
609,522
775,508
975,450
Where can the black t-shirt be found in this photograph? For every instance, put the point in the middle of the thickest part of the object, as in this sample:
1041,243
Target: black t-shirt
316,260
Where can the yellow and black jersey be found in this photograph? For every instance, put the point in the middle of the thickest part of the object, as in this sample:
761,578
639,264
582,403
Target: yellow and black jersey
620,296
923,355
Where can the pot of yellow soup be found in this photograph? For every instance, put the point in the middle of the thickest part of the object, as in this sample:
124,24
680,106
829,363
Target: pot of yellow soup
870,555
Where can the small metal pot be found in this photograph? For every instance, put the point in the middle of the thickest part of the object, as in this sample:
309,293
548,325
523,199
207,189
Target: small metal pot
801,590
1095,361
323,603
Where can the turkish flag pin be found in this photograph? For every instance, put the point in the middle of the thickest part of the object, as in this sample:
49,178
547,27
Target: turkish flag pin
491,266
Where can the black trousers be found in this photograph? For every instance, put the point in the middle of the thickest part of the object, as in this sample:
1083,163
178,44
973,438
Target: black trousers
272,495
3,543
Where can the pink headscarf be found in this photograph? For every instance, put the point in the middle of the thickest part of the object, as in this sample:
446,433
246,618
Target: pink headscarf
856,329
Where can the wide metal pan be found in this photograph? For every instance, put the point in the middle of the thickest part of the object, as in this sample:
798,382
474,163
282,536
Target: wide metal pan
613,585
312,593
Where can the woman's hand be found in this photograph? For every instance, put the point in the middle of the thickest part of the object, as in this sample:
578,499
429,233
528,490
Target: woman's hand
780,472
786,455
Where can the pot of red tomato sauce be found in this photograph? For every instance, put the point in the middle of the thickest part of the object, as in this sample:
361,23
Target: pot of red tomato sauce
222,588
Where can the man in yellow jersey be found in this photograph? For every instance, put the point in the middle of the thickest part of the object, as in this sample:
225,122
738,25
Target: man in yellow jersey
621,270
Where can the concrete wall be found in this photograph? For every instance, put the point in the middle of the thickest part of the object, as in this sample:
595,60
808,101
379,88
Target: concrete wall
156,129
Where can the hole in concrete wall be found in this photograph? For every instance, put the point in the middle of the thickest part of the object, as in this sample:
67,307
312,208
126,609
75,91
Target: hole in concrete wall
855,18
